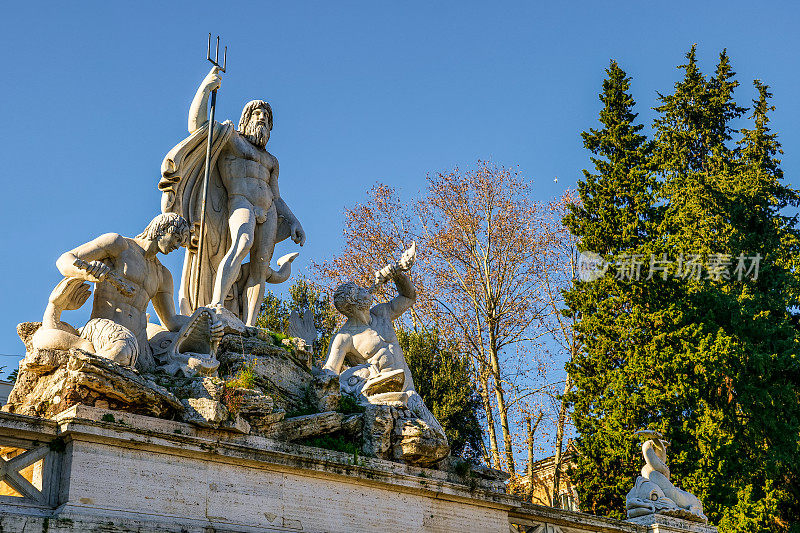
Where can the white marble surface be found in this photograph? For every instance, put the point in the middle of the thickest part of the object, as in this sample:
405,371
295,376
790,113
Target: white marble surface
127,472
245,214
654,492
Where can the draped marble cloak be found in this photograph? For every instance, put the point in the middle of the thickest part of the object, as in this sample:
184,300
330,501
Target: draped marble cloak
181,185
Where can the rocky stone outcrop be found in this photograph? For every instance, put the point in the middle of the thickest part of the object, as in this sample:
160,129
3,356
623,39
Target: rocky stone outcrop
326,391
279,372
51,381
395,433
205,412
261,379
378,428
303,427
415,442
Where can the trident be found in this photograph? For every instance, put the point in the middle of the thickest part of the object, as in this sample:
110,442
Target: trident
201,237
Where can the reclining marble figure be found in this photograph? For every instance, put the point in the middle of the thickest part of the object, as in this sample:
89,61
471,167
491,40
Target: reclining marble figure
245,214
367,342
128,276
654,492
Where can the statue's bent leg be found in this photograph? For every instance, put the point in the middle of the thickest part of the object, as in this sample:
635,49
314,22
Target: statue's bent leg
112,340
260,270
242,224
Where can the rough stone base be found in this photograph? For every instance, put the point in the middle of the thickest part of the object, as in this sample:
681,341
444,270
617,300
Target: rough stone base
281,374
51,381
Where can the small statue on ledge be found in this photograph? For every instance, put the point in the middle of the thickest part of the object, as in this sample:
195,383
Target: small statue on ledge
654,493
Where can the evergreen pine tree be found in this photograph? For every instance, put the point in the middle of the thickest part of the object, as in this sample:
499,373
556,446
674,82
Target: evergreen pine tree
740,424
710,360
693,157
616,217
763,409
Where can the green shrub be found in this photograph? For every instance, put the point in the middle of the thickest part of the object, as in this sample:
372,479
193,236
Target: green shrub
349,405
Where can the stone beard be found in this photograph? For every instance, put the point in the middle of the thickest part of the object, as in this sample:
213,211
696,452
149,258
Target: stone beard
257,134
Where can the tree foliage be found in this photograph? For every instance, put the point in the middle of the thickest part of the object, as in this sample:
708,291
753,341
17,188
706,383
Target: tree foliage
710,360
303,295
616,215
486,238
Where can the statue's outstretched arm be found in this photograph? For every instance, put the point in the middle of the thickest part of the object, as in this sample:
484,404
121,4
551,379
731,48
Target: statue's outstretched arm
406,297
198,111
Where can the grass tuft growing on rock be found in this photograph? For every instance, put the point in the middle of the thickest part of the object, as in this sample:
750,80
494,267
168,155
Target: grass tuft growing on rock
336,442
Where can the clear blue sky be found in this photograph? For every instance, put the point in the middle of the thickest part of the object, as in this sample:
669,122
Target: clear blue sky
95,93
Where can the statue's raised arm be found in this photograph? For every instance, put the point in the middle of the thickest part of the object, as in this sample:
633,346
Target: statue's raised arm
406,293
198,111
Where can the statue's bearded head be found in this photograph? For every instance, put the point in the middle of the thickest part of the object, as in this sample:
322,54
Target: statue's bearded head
256,122
349,299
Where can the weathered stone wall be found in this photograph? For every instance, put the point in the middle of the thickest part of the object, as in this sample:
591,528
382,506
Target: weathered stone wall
110,471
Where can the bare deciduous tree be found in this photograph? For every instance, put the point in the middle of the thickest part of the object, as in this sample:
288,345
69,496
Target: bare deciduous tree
480,276
485,238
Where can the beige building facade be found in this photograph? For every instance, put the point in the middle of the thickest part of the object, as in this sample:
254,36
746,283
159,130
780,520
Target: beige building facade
537,487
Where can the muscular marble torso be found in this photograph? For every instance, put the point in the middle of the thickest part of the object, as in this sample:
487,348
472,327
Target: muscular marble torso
146,275
246,171
376,344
